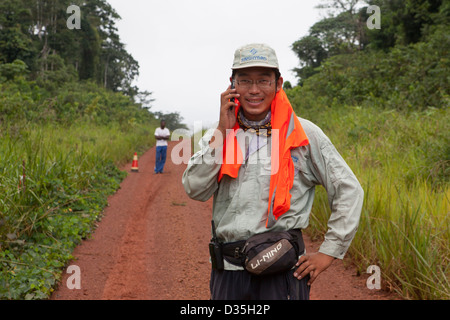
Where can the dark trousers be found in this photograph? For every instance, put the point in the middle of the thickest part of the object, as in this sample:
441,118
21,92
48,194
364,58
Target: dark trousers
242,285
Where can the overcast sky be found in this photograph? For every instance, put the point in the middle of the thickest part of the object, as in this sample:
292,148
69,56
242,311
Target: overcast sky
185,48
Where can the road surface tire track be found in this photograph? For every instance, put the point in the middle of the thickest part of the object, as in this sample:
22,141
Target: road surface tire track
152,244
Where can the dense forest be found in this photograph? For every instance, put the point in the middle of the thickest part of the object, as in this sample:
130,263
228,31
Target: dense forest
36,33
44,56
348,29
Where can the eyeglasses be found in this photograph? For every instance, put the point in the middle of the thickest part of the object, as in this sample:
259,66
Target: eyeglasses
261,83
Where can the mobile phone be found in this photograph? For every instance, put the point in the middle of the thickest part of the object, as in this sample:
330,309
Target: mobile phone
232,87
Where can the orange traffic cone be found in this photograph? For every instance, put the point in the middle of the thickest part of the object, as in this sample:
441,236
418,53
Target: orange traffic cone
134,165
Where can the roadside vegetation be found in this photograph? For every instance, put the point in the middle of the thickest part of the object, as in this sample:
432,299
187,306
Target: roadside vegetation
69,118
384,102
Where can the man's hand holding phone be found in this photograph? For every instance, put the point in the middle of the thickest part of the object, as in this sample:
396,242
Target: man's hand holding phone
227,118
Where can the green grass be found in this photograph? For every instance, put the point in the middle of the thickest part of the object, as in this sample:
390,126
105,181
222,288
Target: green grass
44,214
402,162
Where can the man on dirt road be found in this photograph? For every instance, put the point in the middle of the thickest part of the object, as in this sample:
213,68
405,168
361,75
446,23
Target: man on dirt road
162,134
262,164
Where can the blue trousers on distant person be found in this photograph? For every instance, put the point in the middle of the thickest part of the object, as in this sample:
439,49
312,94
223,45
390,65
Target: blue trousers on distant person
161,152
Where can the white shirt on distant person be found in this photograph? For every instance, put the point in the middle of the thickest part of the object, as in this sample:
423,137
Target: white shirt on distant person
162,133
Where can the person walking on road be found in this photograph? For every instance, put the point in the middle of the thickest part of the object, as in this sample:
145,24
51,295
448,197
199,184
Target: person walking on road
162,135
261,165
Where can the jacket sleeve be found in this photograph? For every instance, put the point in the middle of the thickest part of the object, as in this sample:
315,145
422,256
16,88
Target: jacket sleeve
345,194
200,177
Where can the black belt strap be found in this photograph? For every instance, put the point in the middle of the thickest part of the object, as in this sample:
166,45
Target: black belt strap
232,252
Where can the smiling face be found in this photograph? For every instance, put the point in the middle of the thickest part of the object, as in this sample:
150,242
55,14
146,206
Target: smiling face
257,87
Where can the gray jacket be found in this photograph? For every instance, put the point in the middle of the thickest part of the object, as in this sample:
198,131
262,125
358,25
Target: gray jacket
240,205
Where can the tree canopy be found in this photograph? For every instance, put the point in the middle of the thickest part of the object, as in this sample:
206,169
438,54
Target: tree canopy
36,32
345,31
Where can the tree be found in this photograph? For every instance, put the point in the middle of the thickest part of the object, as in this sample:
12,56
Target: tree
328,37
407,21
287,85
311,53
344,31
117,67
15,42
144,99
12,70
339,6
36,32
173,120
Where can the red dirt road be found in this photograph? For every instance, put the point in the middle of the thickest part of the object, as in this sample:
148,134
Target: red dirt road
152,244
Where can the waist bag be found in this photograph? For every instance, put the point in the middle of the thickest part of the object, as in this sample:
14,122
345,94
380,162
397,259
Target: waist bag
266,253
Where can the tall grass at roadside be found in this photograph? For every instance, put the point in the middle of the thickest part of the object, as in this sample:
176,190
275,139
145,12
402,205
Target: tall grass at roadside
402,162
54,184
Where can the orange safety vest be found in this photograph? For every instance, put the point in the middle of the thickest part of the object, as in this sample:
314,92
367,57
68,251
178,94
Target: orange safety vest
287,133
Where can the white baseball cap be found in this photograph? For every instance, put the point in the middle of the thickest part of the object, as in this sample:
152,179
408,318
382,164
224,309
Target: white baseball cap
255,55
